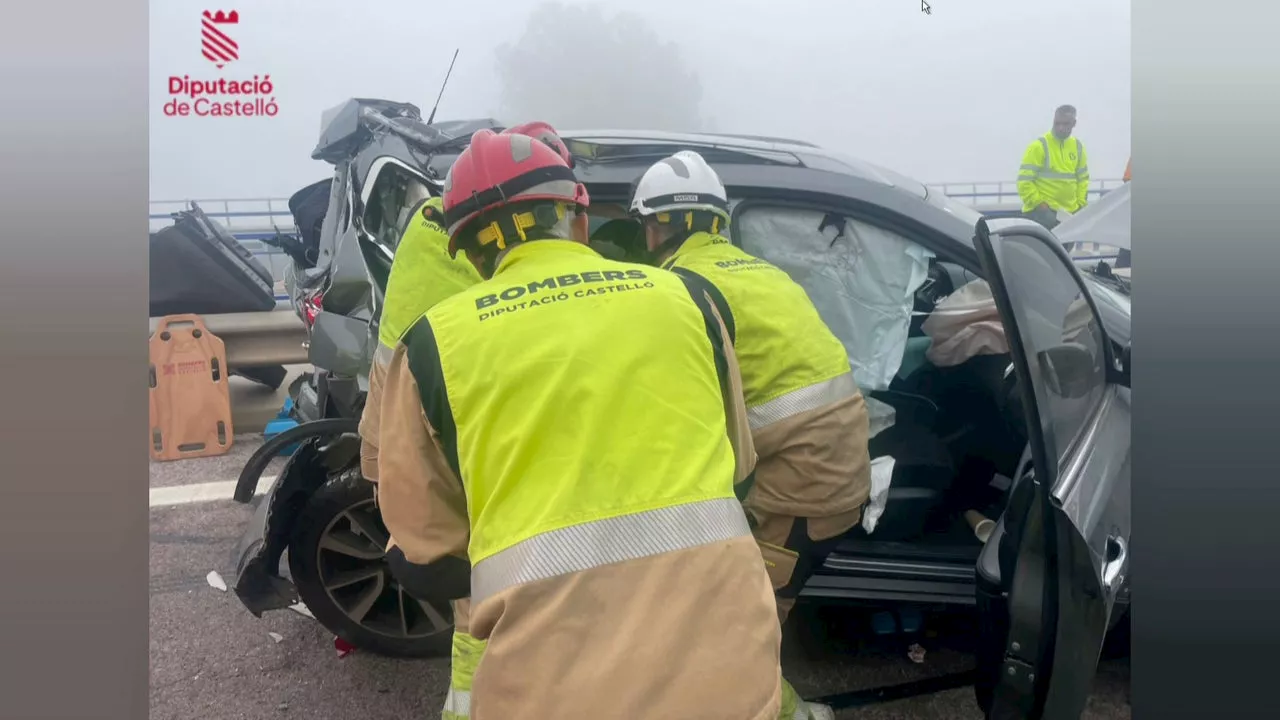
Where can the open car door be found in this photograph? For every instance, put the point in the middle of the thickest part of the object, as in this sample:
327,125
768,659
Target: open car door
1064,549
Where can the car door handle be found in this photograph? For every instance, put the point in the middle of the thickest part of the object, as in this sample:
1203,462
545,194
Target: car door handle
1117,554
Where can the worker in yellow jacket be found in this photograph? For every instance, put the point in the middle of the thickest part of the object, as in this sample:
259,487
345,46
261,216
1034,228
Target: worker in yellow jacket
562,443
423,273
1054,176
808,418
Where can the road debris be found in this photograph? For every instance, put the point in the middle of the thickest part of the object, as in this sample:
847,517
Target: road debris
276,636
343,647
916,653
215,581
301,609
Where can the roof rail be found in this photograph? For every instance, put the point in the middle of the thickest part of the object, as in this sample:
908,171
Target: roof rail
768,139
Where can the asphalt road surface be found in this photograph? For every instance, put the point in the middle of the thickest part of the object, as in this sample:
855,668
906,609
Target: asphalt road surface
211,659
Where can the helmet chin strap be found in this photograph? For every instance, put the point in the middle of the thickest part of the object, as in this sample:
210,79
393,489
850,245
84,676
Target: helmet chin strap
489,263
491,256
668,246
692,226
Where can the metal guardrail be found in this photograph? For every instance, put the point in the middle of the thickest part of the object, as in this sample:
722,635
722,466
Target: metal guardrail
279,337
1006,192
275,213
251,220
258,338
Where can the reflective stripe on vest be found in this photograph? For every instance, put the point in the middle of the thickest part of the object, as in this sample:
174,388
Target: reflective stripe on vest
604,542
1046,171
457,705
802,400
1056,181
570,390
781,341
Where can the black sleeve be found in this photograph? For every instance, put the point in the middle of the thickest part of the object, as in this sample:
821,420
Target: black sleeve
448,578
699,289
696,282
424,361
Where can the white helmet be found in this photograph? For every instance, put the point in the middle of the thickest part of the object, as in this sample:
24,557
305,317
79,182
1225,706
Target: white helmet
683,181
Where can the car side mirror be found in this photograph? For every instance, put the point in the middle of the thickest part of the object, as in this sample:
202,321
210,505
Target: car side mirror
1067,369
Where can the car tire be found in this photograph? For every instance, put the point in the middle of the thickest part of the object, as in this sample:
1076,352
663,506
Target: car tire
331,504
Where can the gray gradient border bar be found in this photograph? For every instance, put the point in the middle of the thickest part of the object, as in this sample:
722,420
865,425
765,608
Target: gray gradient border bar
73,332
1206,621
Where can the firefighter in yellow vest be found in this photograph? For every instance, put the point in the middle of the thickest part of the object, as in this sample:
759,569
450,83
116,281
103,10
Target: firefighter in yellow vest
562,443
807,417
1054,176
422,274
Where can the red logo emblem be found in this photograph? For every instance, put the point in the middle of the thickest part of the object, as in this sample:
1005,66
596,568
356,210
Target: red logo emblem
215,44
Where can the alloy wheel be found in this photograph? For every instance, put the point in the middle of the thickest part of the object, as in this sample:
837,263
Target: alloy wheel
357,578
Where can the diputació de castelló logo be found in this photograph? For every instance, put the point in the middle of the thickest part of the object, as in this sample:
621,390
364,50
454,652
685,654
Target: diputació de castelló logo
220,96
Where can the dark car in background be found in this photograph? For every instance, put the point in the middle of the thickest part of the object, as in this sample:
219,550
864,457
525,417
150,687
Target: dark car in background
1031,434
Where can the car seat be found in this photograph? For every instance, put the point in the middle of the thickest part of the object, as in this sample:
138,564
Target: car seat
980,417
923,470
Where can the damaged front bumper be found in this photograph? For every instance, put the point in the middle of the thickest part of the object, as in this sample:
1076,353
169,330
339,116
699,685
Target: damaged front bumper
259,582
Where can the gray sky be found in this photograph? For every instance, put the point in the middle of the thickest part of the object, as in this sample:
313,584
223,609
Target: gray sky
953,96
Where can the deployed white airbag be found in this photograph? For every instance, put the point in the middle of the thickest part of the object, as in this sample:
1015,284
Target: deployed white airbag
965,324
861,278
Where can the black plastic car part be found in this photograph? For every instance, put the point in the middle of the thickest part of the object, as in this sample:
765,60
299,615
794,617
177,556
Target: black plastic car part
257,556
198,267
247,483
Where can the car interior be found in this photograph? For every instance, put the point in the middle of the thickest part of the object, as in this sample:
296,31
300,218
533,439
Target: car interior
956,433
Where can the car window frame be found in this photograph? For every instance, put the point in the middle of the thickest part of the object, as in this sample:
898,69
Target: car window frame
377,169
944,248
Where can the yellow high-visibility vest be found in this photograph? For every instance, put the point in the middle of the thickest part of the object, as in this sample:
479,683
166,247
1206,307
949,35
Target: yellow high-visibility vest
422,274
580,402
1054,172
790,360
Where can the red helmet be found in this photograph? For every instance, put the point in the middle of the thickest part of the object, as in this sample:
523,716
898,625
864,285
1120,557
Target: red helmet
496,170
539,130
